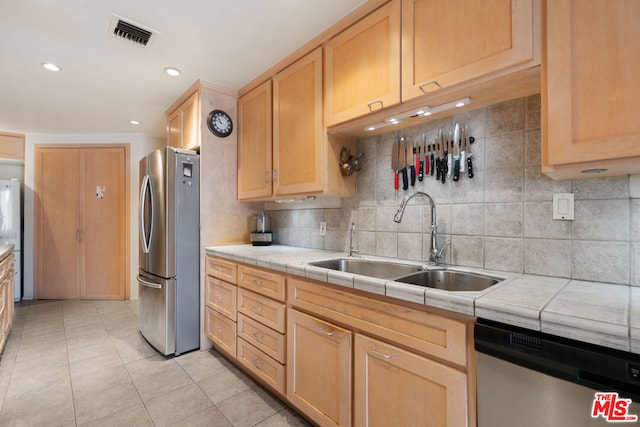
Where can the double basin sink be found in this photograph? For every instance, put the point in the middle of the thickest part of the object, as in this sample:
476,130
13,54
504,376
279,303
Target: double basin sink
438,278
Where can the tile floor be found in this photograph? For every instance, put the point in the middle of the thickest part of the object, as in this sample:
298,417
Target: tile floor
84,363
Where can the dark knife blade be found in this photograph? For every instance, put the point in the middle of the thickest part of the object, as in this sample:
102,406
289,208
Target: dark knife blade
411,162
456,152
420,160
403,164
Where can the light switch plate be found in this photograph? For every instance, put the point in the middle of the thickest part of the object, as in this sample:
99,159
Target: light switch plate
563,206
634,186
323,228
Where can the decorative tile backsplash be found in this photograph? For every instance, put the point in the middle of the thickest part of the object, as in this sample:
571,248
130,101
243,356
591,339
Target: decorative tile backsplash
501,219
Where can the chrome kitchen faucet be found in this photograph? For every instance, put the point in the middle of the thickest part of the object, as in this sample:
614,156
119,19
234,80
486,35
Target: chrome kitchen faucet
352,251
435,254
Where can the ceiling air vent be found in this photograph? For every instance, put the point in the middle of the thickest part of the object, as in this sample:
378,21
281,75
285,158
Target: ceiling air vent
131,32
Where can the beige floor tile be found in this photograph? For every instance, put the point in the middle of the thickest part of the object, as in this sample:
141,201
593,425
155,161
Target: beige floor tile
202,364
57,416
134,416
87,350
155,379
132,347
249,407
100,378
33,379
92,406
38,398
284,418
210,417
225,384
177,404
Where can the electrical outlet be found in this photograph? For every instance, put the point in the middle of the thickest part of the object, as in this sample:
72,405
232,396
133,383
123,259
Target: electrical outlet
323,228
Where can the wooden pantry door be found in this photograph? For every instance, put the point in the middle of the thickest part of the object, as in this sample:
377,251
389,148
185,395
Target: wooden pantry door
82,222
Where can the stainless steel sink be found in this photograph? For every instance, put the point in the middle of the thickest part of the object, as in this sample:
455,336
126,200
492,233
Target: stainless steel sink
371,268
449,280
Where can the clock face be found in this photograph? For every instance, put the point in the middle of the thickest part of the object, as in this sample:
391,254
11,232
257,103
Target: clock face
220,123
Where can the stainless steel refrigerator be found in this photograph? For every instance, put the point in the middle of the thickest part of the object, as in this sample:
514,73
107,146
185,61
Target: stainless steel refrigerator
10,226
169,276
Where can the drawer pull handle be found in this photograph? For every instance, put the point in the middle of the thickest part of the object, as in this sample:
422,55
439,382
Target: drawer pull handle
218,331
219,298
257,282
258,336
432,82
327,333
376,353
371,104
258,363
257,308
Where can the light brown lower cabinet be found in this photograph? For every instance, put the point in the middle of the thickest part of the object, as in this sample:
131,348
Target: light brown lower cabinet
319,369
6,298
396,387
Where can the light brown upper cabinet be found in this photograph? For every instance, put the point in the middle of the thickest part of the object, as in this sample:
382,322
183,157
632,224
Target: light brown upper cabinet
11,146
298,137
448,43
591,88
255,143
298,158
362,67
81,222
184,124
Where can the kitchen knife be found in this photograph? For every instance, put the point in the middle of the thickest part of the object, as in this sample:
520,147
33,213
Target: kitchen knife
395,163
432,160
403,164
420,159
449,154
444,154
438,162
411,148
456,152
463,150
427,154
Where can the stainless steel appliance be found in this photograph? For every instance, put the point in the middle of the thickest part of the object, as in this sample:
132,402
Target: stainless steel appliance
169,276
10,226
262,235
530,379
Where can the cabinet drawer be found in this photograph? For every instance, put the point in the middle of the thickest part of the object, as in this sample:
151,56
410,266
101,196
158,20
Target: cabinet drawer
264,310
221,330
264,283
221,269
222,297
270,371
5,266
266,339
426,333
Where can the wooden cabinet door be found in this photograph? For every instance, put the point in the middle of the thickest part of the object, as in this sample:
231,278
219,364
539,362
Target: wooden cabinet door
11,146
445,43
57,231
591,86
255,143
298,134
184,124
319,369
82,246
362,67
396,387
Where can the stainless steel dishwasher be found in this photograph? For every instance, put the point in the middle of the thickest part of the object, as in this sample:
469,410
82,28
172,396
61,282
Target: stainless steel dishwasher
530,379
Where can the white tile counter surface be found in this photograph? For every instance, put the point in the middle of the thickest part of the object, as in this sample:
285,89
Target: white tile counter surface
5,250
598,313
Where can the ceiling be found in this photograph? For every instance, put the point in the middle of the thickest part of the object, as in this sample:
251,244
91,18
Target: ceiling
106,81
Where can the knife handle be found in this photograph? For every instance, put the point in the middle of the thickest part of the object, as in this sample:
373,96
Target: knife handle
405,179
443,173
469,167
431,164
420,169
412,170
395,180
456,169
437,168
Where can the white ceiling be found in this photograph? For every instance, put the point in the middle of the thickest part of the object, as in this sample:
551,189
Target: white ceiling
106,81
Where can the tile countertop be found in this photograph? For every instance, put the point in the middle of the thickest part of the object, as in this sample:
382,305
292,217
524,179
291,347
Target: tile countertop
5,250
599,313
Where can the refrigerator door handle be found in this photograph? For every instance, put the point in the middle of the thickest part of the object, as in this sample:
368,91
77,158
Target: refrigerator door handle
144,189
144,282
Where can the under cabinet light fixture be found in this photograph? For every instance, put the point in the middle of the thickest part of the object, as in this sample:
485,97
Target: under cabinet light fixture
134,122
424,111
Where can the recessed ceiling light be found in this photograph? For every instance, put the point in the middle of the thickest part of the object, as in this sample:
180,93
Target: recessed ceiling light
134,122
50,66
173,72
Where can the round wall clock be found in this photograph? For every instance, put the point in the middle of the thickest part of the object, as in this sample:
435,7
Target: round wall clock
220,123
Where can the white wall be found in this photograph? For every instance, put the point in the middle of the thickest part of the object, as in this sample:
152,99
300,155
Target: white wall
139,146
